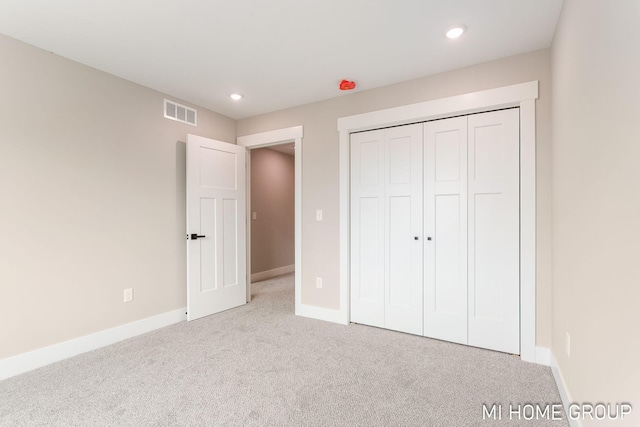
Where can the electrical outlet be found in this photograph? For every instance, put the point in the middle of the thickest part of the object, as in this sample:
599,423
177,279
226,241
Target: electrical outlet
255,215
319,215
319,282
128,295
567,344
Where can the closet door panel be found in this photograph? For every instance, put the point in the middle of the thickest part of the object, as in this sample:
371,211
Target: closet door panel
403,281
370,249
494,247
367,228
450,292
445,219
400,242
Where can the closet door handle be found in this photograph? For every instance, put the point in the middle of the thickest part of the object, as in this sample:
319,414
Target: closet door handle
195,236
415,238
428,238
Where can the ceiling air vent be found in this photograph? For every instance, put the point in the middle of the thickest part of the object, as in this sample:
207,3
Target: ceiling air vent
180,113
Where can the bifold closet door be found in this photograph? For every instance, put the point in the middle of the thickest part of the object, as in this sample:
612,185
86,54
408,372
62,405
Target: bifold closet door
494,230
386,228
445,221
471,211
403,234
435,233
367,228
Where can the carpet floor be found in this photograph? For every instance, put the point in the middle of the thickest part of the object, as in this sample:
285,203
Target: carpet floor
260,365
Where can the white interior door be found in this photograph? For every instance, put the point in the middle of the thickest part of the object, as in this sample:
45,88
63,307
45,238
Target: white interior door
216,226
445,216
494,230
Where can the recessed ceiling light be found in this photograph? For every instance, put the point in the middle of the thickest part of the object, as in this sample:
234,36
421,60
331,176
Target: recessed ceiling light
235,96
455,32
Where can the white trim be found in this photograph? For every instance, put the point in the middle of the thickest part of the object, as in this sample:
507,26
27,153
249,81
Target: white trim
273,137
543,356
528,230
247,181
44,356
275,272
265,139
507,96
298,220
345,227
521,95
562,389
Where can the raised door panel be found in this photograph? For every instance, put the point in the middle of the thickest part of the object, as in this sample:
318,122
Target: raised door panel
494,250
445,222
367,228
229,242
208,247
222,177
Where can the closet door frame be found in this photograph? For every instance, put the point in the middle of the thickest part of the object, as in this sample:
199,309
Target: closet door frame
521,95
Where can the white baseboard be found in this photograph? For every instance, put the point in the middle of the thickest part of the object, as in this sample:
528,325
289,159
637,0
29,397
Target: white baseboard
264,275
319,313
543,356
25,362
564,393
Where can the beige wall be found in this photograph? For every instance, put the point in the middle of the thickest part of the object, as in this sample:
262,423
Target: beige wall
92,199
273,200
596,200
320,241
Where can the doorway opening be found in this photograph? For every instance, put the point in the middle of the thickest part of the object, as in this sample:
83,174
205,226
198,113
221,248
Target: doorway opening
280,139
271,202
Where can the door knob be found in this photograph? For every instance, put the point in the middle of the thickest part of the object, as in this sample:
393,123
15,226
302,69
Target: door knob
195,236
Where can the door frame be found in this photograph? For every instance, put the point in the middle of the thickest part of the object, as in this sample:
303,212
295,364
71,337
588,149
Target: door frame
521,95
267,139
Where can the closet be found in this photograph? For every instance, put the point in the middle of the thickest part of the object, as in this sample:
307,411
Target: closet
435,229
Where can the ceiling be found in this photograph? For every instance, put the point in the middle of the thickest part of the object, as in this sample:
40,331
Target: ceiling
278,53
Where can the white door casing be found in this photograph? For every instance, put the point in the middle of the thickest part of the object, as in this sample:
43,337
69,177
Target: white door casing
521,95
216,198
266,139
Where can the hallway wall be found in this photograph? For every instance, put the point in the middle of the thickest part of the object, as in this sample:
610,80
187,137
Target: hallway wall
273,200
